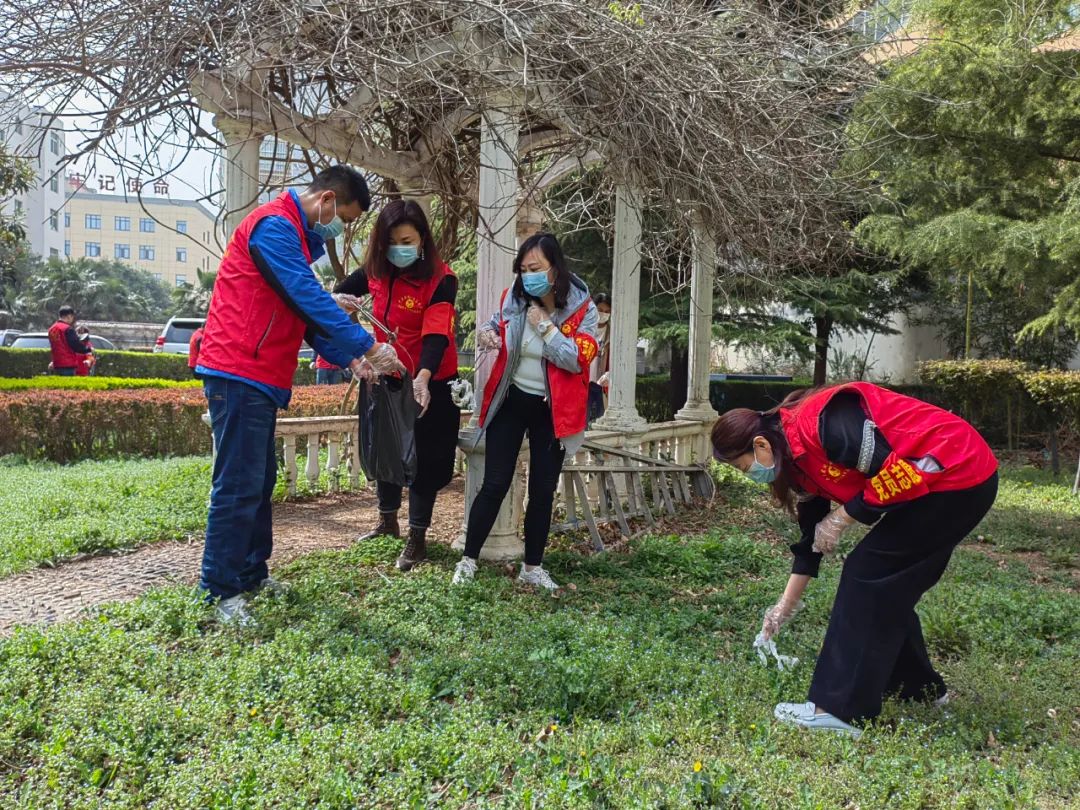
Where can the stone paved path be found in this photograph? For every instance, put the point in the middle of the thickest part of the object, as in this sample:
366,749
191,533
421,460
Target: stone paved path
44,596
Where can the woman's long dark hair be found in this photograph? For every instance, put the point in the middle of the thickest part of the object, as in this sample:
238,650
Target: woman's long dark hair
401,212
734,433
552,251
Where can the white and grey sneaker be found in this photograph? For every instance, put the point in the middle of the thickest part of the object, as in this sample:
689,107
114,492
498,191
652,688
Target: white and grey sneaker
274,587
464,571
234,611
537,577
805,715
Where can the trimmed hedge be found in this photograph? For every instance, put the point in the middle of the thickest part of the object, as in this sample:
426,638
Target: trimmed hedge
23,363
9,384
67,426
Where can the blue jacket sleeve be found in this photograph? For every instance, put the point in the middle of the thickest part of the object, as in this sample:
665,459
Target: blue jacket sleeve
275,248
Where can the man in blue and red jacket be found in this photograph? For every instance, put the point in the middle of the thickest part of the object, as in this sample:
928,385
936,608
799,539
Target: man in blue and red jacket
266,301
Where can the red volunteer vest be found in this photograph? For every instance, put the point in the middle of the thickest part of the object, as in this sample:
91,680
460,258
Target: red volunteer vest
913,428
62,355
250,331
403,304
569,390
194,345
81,368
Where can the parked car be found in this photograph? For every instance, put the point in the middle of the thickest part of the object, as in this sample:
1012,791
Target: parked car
7,337
176,336
40,340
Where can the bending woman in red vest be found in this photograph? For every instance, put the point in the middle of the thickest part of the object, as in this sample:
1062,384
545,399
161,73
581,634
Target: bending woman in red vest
545,335
922,477
413,294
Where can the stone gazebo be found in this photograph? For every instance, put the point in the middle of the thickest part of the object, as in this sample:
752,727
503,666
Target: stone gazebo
481,107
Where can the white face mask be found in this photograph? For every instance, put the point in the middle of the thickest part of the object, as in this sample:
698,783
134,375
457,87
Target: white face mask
604,318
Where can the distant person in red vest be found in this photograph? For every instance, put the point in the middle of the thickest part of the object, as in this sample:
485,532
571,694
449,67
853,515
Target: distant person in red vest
600,368
413,293
194,347
326,373
545,338
920,476
266,302
68,351
86,367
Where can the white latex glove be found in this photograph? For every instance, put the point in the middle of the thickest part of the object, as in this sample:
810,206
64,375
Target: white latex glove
603,381
777,616
421,393
362,370
384,359
766,647
535,315
349,303
488,339
827,532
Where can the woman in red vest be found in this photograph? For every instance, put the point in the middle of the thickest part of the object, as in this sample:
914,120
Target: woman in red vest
920,476
545,336
413,293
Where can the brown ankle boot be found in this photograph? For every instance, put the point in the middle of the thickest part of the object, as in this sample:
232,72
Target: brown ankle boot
415,551
387,527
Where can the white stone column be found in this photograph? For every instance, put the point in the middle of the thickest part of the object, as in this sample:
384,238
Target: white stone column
241,158
496,248
698,408
621,413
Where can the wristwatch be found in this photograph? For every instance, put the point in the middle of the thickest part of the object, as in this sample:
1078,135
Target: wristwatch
545,326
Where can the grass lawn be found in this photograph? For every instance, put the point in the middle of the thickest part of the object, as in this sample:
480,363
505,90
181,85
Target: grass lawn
366,688
52,511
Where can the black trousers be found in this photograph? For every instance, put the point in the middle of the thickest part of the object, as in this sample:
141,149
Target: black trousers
874,646
521,413
436,449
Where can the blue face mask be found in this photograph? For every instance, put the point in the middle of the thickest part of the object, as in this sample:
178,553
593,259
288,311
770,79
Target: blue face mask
536,284
402,255
331,230
760,473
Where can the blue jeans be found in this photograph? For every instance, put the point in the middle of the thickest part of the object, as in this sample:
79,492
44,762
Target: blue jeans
329,376
238,532
64,372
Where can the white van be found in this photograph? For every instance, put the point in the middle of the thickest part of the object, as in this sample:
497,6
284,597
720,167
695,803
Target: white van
176,336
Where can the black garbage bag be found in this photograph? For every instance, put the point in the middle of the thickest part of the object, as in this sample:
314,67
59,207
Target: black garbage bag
388,431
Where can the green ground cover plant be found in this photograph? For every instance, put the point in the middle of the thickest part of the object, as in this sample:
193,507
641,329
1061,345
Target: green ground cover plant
638,688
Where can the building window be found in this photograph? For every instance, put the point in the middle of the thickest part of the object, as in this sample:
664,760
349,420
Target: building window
157,276
67,248
93,249
67,219
54,183
122,251
122,223
181,254
146,253
181,226
18,207
181,280
54,143
146,225
18,127
54,219
54,253
93,222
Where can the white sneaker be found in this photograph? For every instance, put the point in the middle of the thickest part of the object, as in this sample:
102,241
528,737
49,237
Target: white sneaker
234,611
464,571
943,701
538,576
274,587
805,715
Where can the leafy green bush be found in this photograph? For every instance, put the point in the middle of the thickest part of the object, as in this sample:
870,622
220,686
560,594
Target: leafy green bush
1058,392
148,365
95,383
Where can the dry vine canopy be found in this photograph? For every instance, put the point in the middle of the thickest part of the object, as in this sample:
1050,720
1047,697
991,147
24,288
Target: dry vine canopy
730,113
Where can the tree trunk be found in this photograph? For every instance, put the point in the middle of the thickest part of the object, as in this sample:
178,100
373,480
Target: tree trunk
680,376
822,328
